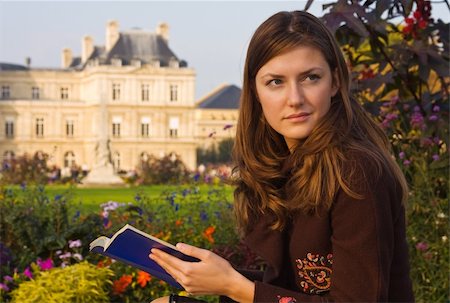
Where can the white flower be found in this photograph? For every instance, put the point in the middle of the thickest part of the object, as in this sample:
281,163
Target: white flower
78,256
444,239
76,243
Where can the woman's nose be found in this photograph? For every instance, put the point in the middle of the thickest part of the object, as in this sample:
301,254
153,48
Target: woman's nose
295,96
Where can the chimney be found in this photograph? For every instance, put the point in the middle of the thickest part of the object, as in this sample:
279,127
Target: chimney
163,31
87,47
112,34
66,58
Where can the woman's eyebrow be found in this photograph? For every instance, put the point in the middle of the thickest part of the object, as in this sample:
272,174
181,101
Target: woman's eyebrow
308,71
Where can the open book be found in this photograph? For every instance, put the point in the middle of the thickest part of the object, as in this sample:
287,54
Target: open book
132,246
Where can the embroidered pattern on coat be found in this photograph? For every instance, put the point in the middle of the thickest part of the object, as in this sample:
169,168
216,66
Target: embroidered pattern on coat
286,299
314,273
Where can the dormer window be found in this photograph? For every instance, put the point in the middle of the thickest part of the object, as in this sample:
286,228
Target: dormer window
173,63
136,63
93,62
116,62
155,63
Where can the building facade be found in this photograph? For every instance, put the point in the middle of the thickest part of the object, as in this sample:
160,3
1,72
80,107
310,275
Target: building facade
134,90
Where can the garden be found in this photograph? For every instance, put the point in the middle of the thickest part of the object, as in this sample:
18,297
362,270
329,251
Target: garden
399,59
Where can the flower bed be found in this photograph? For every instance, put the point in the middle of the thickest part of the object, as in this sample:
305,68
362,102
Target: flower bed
40,237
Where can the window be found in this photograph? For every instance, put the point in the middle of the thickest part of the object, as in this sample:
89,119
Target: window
173,93
35,93
5,94
116,91
9,128
145,127
69,128
64,93
174,124
40,127
69,159
145,92
116,126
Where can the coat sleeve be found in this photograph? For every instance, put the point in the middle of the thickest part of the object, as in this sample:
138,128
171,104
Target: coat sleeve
362,245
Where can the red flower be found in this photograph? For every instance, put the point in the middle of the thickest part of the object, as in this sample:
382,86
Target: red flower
208,234
423,24
143,278
417,15
409,21
120,285
104,263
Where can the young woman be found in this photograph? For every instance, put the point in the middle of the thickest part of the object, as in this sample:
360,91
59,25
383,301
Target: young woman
318,195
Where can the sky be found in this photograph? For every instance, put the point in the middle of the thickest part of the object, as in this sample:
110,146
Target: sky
212,36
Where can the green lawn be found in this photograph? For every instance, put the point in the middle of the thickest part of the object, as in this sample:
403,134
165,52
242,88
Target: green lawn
89,199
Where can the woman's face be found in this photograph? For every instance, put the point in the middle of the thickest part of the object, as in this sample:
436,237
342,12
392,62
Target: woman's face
295,90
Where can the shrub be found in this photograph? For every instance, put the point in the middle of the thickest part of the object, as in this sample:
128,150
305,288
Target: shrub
34,225
25,169
169,169
399,58
82,282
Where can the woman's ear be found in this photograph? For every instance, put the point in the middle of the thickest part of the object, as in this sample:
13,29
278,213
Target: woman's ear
335,84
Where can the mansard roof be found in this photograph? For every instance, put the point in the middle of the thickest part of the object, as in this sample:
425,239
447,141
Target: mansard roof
143,46
12,67
226,97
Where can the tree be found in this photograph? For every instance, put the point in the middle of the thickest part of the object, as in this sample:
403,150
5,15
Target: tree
399,59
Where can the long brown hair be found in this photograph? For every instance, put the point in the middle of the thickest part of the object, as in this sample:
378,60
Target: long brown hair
260,153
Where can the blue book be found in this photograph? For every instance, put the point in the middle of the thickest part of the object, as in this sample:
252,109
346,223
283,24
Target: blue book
132,246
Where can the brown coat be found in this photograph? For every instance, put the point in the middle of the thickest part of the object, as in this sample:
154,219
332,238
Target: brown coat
355,252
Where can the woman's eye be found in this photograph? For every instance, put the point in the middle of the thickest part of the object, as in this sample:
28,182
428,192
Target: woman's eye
275,82
313,77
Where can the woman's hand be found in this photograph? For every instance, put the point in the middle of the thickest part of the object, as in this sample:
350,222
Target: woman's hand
161,300
212,275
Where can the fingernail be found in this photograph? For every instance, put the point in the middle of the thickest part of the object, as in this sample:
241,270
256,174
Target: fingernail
180,246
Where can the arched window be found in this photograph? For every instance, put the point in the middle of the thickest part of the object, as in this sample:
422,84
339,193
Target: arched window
69,159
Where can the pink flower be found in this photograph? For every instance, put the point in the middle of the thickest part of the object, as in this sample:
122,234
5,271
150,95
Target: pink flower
46,264
436,108
435,157
65,256
401,155
27,272
433,118
4,287
227,126
417,120
406,162
422,246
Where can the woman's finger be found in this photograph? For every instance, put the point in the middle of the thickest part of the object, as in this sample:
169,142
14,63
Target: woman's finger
193,251
170,264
